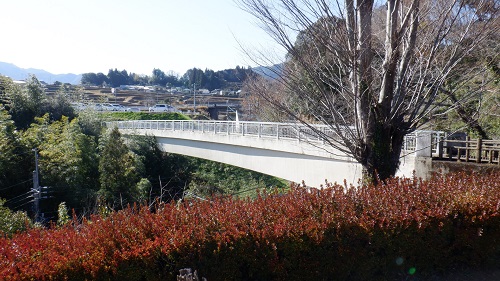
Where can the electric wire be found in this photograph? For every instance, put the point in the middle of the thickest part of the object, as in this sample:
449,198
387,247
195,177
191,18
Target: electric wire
18,198
19,183
15,203
29,202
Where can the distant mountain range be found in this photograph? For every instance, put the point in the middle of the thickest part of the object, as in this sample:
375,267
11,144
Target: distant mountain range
17,73
271,72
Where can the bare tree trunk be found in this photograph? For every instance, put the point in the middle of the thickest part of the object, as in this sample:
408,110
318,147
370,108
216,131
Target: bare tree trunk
369,72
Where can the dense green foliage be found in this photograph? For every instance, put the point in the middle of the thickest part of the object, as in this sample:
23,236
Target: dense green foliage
212,178
121,116
118,171
404,228
207,79
14,168
88,166
26,103
68,161
12,222
475,98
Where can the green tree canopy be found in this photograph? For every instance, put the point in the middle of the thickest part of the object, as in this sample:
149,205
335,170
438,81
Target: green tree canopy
118,168
15,164
96,79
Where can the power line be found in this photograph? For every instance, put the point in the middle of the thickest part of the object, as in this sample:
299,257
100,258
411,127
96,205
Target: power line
4,188
16,199
29,202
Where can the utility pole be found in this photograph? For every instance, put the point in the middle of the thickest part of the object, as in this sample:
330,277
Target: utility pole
36,188
194,98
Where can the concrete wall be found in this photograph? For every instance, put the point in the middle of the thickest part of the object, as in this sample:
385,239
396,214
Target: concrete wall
454,167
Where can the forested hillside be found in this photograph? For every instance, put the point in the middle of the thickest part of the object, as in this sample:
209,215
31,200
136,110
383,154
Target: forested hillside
93,168
207,79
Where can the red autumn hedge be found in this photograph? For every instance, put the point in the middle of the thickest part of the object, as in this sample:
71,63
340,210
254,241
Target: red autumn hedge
382,232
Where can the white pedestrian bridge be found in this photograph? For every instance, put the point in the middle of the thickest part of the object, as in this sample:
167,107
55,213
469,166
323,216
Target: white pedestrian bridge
286,150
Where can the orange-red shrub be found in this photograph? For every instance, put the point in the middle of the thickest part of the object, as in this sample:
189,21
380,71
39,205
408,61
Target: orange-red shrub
365,233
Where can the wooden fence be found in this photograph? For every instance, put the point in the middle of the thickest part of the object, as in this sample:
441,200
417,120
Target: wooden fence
476,150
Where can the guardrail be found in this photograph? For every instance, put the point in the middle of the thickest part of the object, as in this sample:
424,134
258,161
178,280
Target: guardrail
292,131
437,137
476,150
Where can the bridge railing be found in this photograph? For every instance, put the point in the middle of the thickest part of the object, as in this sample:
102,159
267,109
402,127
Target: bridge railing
437,138
291,131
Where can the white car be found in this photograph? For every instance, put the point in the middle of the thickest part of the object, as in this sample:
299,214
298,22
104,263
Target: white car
118,107
107,107
162,108
133,109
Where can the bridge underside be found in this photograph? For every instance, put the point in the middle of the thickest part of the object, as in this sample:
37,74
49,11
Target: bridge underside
292,161
312,170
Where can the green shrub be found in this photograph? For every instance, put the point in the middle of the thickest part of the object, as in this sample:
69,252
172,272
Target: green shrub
12,222
62,214
123,116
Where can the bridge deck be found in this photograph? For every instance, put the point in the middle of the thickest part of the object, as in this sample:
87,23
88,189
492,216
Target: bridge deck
291,151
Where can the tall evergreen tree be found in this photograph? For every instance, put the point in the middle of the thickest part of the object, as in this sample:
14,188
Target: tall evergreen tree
118,171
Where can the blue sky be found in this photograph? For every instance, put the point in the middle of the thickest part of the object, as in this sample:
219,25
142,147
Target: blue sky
78,36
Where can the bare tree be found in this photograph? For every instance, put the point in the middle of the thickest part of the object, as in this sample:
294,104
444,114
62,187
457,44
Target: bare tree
371,71
256,107
470,99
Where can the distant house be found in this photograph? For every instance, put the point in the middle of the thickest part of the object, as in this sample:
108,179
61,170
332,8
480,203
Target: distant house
204,91
137,88
19,82
149,89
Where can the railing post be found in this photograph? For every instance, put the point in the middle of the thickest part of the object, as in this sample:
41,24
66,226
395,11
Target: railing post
467,151
449,150
490,156
479,150
440,142
278,131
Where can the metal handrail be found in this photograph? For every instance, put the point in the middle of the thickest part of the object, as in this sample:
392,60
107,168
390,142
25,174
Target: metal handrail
290,131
